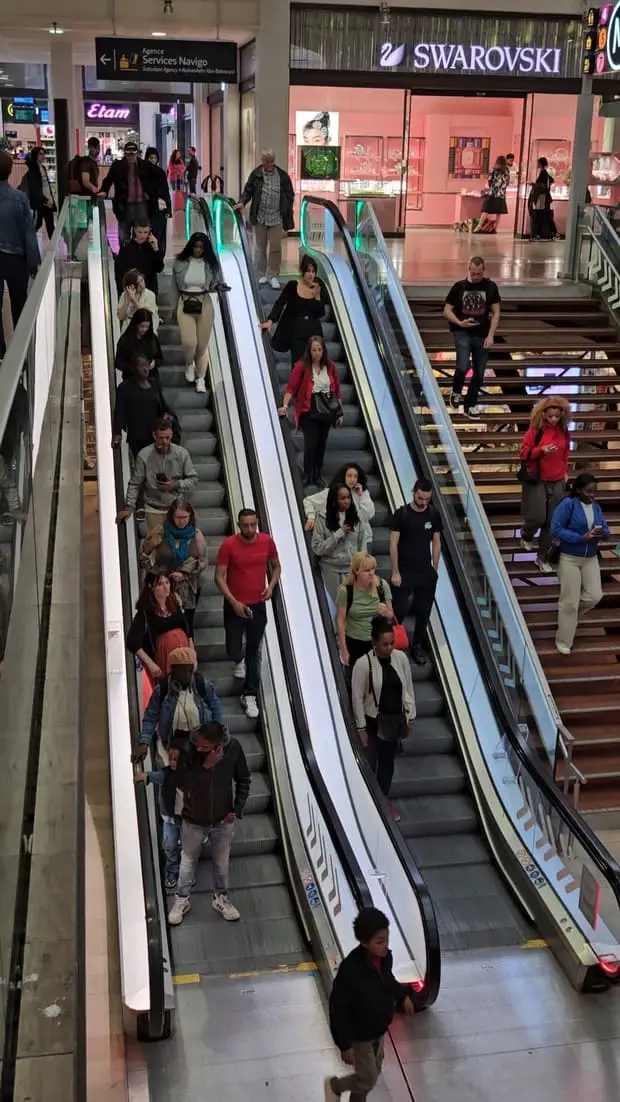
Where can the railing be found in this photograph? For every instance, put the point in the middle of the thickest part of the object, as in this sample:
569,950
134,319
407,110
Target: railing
40,434
143,947
230,233
542,818
598,254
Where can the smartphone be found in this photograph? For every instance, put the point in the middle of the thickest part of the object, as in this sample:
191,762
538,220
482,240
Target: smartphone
161,477
596,528
249,615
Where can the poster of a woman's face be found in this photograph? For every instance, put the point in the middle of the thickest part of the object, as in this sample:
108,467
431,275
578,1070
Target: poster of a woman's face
316,127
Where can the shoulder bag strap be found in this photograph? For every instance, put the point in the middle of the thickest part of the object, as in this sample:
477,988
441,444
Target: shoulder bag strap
371,683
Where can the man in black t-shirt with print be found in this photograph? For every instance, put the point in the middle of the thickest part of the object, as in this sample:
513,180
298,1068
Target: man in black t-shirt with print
415,547
472,308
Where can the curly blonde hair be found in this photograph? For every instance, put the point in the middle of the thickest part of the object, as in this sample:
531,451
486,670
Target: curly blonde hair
557,401
361,560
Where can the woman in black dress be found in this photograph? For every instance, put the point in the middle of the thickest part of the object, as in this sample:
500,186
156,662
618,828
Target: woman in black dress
297,311
139,339
495,203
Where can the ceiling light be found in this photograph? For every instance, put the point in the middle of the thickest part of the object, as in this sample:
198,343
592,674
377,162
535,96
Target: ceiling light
55,29
158,34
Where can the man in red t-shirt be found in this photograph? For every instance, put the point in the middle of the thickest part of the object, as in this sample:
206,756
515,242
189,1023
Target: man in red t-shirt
241,577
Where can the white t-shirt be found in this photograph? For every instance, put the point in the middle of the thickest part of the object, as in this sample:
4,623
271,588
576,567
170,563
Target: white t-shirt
196,275
589,511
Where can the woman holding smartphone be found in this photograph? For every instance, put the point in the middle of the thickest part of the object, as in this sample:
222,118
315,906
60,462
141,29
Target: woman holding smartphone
297,312
578,525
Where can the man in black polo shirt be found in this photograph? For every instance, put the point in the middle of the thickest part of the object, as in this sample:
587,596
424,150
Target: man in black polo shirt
472,308
415,547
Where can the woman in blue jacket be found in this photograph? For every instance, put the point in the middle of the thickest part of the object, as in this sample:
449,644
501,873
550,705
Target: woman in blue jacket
578,526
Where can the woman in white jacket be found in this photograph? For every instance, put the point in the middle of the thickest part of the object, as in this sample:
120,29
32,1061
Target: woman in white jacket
382,690
351,475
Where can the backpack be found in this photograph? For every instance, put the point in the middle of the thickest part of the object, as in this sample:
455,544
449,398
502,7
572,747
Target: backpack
74,175
349,589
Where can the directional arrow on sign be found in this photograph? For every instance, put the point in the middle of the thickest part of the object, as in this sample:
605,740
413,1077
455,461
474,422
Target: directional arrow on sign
105,60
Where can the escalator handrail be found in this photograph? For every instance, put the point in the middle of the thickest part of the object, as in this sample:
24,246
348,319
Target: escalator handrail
431,931
150,866
580,829
353,873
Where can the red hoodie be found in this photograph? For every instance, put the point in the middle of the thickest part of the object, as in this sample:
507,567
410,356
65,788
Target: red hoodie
552,467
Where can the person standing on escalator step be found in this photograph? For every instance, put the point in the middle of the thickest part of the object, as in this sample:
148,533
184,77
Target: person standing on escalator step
241,577
363,999
472,308
216,785
415,548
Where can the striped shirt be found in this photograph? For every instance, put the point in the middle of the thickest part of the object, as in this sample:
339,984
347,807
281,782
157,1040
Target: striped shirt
269,207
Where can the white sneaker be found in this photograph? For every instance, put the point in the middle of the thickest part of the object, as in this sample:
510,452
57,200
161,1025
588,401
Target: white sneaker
473,411
201,386
527,545
179,909
275,283
239,669
330,1094
190,372
544,566
250,706
221,903
263,280
562,648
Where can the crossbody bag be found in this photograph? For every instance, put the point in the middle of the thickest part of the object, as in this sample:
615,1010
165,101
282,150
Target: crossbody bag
390,728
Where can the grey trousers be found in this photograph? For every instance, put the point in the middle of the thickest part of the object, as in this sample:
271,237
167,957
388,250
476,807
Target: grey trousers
368,1063
538,504
268,237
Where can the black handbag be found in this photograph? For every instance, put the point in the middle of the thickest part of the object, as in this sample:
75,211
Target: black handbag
553,554
192,304
326,408
525,477
390,728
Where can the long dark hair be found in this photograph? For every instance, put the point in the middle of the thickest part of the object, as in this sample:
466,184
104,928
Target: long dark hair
188,249
146,601
307,356
340,477
32,160
131,343
175,157
332,512
141,315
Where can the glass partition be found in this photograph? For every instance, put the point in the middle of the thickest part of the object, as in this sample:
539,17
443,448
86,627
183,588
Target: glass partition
29,435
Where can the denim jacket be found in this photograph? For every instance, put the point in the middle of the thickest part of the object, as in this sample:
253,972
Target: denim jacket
159,714
569,526
17,235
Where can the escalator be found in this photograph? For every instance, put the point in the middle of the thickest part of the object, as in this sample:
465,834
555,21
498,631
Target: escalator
269,932
300,870
501,850
438,816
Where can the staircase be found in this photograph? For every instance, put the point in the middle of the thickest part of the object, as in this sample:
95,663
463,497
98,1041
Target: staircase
569,346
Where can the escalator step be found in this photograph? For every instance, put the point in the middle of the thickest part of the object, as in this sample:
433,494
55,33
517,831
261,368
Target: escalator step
425,776
426,816
448,850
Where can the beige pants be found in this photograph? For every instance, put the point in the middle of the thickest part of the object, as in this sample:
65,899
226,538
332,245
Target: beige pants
195,334
368,1063
268,236
580,591
154,519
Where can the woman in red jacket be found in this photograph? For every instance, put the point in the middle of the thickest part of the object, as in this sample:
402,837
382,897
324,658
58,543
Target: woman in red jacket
314,388
544,450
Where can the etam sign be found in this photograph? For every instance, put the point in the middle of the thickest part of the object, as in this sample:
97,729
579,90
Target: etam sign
109,113
442,57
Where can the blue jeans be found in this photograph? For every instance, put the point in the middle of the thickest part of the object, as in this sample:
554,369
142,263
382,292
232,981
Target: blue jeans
171,843
469,346
193,838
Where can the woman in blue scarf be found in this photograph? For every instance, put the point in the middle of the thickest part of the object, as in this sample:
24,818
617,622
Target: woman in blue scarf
179,550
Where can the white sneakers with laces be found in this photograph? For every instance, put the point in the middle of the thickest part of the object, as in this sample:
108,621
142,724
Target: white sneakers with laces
239,669
190,373
275,283
222,904
179,909
263,280
250,706
201,386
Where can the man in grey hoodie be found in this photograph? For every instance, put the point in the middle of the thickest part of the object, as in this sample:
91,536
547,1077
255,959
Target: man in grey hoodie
163,470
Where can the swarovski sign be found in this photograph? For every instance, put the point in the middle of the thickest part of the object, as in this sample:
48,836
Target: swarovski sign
451,57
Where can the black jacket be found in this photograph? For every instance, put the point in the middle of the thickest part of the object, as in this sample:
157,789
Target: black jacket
130,345
136,410
32,185
209,795
286,310
193,168
119,177
147,260
157,187
254,188
363,999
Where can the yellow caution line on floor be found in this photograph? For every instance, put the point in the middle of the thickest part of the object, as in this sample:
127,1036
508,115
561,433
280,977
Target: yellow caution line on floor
281,970
536,943
193,977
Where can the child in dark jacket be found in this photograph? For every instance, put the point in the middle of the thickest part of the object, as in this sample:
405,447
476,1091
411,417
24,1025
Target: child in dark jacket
361,1006
170,782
